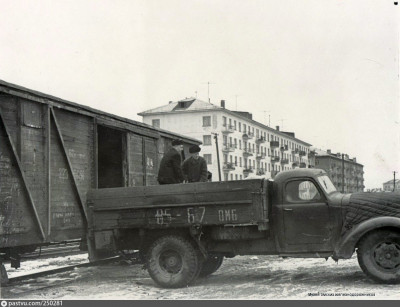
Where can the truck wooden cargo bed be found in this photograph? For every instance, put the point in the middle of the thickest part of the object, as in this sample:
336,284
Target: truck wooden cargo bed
243,202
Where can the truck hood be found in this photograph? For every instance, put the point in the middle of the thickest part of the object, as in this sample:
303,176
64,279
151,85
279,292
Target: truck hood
358,207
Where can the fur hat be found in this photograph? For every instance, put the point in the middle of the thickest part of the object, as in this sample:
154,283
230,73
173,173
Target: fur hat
194,148
177,142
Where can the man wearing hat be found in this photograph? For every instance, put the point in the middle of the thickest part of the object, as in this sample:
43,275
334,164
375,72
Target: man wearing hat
195,167
170,167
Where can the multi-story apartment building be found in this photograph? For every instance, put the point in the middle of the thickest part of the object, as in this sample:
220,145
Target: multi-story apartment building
346,174
392,185
245,146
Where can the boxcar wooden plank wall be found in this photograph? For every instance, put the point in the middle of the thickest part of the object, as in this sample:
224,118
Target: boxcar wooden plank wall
14,203
151,161
33,148
135,160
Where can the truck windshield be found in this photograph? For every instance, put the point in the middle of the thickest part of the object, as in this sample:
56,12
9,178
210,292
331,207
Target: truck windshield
326,184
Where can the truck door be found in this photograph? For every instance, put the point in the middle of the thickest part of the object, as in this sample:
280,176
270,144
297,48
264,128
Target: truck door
304,218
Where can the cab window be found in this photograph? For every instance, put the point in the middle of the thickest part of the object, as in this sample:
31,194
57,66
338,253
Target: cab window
301,191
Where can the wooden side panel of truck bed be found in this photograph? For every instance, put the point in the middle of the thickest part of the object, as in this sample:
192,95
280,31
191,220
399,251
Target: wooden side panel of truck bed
179,205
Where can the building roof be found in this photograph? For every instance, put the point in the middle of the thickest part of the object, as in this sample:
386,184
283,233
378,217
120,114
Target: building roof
391,181
194,105
189,104
319,153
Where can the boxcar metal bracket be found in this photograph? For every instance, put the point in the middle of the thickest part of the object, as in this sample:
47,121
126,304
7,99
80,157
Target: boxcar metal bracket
14,150
69,164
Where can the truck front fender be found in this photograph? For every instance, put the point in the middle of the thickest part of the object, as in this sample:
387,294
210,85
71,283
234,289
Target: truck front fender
346,246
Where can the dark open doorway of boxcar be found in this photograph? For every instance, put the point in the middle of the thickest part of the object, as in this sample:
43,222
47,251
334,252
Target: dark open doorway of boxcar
111,155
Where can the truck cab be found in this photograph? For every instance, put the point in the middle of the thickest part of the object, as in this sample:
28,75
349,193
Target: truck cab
306,213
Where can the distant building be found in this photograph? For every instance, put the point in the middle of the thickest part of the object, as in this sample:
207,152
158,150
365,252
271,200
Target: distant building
388,186
346,174
246,147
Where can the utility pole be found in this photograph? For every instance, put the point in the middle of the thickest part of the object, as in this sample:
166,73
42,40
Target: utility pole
342,173
394,181
218,163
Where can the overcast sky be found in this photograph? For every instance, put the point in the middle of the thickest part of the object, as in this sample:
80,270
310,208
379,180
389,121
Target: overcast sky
326,70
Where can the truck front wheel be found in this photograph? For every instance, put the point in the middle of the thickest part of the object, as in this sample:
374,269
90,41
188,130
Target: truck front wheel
211,265
173,262
379,255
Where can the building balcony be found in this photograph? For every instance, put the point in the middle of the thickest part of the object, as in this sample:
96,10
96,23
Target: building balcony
303,165
302,153
248,170
295,152
295,164
248,136
284,161
274,144
260,140
247,152
228,147
284,148
228,129
261,156
275,159
227,167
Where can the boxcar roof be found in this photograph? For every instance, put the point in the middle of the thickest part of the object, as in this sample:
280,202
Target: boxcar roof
17,90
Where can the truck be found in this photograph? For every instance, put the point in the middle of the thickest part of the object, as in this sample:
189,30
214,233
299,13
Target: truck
183,231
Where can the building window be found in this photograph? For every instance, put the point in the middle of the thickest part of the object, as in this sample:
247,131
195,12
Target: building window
241,177
206,139
226,177
207,157
234,124
240,127
206,121
240,144
224,121
240,161
155,123
231,176
236,177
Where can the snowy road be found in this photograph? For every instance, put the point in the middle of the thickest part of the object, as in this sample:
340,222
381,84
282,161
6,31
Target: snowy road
242,277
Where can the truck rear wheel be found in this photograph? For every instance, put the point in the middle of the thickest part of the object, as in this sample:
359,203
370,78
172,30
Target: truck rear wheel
173,262
211,265
379,256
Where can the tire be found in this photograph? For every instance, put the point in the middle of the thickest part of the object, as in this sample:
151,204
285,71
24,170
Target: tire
378,255
173,262
211,265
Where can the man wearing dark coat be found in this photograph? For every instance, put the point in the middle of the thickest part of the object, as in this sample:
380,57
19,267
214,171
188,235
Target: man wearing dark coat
170,167
195,167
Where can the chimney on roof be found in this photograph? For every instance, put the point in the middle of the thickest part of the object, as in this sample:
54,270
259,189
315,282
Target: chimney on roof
170,102
277,128
223,104
354,159
328,151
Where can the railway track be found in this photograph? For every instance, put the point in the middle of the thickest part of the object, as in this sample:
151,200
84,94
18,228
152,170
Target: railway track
131,258
63,249
61,269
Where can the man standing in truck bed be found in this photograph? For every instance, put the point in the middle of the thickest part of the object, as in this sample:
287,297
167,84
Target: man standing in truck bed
170,167
195,167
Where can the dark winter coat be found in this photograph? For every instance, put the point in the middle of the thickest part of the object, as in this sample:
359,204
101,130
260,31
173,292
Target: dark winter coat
195,170
170,168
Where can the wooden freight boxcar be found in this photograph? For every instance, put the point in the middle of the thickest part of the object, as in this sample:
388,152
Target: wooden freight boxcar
52,152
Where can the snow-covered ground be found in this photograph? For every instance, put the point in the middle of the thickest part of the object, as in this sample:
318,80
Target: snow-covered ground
242,277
